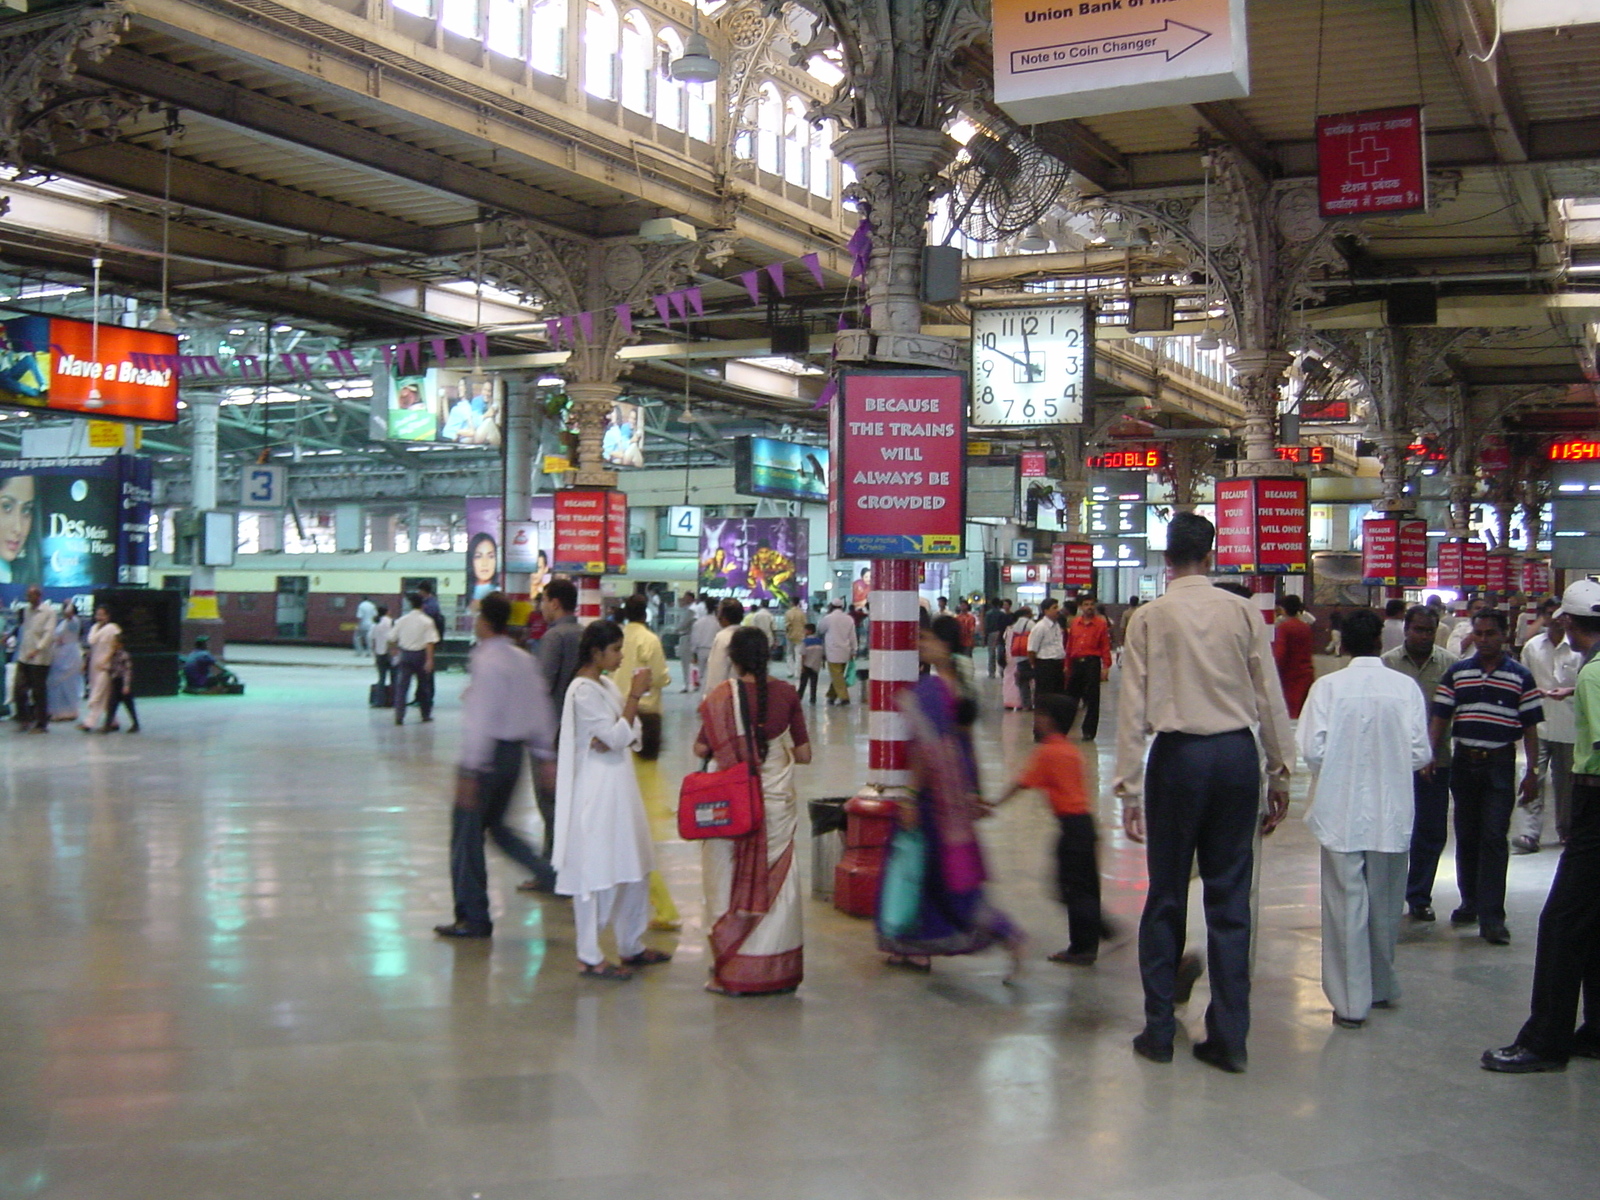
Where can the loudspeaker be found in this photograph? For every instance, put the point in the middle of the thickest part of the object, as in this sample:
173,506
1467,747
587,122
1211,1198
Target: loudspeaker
1151,314
1412,304
791,340
941,274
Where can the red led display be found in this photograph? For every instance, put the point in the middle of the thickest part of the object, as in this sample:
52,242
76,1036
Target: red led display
1577,450
1305,455
1152,458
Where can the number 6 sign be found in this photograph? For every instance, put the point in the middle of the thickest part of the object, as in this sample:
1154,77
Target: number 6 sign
263,487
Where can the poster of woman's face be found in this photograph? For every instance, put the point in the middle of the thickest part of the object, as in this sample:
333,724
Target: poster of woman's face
483,565
19,538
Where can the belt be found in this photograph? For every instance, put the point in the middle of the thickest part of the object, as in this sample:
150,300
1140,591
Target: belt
1475,754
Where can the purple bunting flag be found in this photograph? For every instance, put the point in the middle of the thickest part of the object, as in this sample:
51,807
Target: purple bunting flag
813,263
679,305
825,397
625,318
586,324
552,330
438,347
344,362
250,365
664,307
474,345
752,284
775,273
697,301
569,331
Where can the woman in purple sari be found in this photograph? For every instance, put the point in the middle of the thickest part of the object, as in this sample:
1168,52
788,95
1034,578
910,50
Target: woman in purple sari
953,916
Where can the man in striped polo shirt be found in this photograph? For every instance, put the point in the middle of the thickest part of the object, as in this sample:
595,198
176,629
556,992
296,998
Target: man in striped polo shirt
1492,700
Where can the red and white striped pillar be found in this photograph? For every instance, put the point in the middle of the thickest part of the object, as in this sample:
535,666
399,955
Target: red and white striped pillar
891,665
590,607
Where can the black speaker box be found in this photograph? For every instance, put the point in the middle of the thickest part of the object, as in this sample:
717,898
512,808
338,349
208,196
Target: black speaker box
1412,304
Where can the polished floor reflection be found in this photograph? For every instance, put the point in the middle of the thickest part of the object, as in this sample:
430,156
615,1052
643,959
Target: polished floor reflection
217,979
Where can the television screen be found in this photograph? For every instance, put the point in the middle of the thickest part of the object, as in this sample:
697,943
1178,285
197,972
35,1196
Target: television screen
780,470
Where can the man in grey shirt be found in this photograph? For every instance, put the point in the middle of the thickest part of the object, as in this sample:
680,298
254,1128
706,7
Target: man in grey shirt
558,657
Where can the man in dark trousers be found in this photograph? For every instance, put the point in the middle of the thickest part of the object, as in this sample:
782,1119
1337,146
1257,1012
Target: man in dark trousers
1088,662
1198,673
1567,961
1047,651
997,619
505,714
1487,701
415,636
558,656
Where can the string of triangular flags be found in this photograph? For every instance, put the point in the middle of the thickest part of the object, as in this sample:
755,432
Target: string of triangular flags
674,307
860,248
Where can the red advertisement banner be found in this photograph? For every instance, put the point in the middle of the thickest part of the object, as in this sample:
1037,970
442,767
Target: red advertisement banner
1371,162
899,487
1236,525
1536,578
1452,559
53,362
1497,572
616,533
1263,526
1394,553
1475,564
581,534
1072,564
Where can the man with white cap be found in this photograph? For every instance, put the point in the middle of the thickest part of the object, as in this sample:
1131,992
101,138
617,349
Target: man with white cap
1567,962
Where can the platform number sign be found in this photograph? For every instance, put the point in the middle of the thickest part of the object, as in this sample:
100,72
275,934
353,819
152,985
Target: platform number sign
263,487
683,520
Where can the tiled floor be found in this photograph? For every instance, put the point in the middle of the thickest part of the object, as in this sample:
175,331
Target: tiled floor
217,979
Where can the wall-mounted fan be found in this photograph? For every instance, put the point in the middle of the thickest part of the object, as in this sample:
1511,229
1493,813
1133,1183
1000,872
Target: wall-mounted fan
1001,183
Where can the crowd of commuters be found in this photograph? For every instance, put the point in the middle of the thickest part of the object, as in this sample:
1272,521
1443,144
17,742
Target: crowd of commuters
1215,699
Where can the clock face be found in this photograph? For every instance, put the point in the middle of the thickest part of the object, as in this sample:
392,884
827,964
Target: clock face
1030,365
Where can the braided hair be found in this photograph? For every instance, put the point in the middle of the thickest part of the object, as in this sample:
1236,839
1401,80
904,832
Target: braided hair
748,652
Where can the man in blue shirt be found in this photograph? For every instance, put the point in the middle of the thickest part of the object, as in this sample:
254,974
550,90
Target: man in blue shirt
1492,700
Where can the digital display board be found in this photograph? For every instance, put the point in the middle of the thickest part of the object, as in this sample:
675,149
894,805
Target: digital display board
780,470
1148,458
53,363
1576,450
1305,455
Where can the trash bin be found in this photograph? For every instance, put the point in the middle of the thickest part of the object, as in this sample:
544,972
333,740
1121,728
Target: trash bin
871,825
827,842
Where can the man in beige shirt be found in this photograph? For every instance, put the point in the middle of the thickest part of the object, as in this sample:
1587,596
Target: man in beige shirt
1198,673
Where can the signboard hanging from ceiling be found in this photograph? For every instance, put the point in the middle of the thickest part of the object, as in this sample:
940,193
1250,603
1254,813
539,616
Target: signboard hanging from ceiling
1055,61
1371,162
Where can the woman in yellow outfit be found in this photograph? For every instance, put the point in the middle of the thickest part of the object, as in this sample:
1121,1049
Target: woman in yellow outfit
642,648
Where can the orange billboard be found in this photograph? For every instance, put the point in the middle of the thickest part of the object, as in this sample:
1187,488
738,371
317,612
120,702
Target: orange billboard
53,363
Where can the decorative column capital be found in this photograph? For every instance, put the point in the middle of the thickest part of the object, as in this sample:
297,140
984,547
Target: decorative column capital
591,406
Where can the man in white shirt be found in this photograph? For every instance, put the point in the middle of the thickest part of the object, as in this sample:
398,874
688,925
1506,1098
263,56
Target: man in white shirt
794,629
838,648
415,634
36,638
1555,665
1047,651
730,613
701,634
1394,625
1363,731
760,618
382,640
366,614
1461,632
505,714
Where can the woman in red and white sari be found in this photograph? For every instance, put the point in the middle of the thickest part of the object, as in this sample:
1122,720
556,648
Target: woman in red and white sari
753,883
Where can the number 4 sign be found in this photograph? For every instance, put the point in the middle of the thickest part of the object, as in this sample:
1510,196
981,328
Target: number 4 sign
683,520
263,487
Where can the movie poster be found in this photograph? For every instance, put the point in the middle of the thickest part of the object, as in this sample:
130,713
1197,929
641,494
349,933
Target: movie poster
755,558
72,525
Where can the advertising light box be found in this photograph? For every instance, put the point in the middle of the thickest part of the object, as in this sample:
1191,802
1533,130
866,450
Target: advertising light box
899,443
458,408
72,525
755,558
780,470
53,363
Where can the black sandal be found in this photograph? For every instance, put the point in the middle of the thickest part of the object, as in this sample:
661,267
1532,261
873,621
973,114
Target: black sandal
647,958
606,970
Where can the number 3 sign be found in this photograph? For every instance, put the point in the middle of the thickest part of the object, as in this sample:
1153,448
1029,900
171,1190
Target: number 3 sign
263,487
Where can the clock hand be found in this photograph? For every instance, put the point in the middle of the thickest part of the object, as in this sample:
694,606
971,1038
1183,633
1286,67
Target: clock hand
1028,354
1026,366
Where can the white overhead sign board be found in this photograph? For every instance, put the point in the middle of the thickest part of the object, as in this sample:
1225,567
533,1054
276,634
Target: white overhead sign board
1518,15
1055,60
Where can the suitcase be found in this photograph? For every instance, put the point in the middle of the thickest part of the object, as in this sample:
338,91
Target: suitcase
379,696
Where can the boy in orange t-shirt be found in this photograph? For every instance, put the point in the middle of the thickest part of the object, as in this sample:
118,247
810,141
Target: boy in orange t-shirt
1056,769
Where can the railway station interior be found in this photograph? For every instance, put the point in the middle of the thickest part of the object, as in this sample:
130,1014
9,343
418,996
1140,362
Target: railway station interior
884,304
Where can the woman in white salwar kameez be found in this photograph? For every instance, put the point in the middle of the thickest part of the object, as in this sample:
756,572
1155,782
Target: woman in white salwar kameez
603,851
103,637
752,883
66,667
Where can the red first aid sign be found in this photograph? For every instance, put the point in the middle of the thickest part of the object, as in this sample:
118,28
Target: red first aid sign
1371,162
